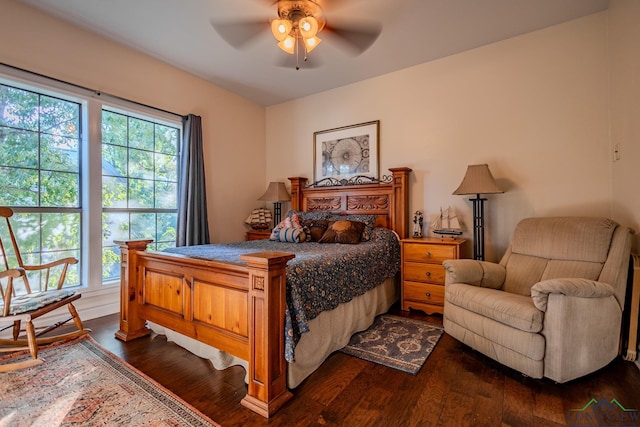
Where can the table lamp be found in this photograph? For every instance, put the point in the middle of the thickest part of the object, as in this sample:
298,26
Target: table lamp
478,180
276,193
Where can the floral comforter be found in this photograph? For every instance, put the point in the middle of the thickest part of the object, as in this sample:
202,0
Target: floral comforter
320,277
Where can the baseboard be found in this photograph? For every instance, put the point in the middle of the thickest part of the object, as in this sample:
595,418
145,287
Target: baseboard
94,304
99,303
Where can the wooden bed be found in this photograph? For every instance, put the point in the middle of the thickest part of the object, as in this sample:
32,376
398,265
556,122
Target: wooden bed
237,308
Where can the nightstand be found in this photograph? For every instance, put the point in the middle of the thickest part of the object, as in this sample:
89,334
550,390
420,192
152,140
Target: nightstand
258,234
423,273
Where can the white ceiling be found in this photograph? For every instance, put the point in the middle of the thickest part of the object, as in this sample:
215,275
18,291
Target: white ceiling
179,32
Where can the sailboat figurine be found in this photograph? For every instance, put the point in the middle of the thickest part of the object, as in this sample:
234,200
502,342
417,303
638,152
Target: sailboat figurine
446,224
259,219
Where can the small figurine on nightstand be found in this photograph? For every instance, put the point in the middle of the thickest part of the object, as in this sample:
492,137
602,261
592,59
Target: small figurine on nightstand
417,223
259,219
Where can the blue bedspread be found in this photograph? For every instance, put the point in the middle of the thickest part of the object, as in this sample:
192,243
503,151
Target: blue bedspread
320,277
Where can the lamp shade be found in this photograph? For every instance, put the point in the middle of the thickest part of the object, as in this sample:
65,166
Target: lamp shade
276,192
478,180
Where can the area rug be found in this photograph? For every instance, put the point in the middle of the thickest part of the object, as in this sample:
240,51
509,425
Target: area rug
396,342
82,384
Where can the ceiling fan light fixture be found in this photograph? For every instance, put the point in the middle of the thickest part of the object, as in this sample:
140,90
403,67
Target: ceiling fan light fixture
311,43
288,45
281,28
308,27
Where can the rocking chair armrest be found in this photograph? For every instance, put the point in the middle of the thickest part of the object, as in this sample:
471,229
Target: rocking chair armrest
12,272
67,260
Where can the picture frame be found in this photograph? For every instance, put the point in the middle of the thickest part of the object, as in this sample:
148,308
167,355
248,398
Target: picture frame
347,155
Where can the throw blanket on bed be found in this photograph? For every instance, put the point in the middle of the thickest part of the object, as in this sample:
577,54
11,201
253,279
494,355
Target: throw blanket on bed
320,277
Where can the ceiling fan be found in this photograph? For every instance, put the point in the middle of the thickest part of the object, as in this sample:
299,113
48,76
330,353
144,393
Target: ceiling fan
297,26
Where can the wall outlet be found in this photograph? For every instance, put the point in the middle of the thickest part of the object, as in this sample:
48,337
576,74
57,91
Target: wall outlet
616,152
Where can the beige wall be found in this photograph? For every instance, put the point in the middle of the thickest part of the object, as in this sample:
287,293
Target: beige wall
624,48
533,107
624,40
231,125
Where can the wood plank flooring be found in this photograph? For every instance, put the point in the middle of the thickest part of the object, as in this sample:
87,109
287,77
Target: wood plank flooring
456,387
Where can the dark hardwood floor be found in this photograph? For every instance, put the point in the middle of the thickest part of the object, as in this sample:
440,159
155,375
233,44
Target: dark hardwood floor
456,387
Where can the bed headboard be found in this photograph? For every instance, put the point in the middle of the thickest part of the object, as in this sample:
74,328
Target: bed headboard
388,200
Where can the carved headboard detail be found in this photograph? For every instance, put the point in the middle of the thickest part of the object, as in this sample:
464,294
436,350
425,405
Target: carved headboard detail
390,201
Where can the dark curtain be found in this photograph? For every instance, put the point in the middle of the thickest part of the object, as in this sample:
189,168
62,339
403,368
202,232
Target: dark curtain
193,226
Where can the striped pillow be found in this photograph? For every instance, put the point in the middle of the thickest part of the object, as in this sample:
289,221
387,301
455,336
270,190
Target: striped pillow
288,222
291,235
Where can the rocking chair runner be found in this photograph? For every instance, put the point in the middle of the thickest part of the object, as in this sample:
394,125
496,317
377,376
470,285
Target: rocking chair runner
18,310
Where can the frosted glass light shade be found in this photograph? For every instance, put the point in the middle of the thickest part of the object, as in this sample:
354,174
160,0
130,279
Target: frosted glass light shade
288,45
308,27
281,28
311,43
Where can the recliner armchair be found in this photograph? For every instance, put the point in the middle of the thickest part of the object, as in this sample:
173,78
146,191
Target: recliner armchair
553,305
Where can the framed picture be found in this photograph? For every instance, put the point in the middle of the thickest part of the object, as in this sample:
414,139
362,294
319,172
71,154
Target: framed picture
346,155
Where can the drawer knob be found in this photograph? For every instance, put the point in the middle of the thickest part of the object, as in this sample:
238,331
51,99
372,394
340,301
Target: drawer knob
428,254
428,294
428,273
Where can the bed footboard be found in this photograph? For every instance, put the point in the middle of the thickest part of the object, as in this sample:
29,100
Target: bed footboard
239,309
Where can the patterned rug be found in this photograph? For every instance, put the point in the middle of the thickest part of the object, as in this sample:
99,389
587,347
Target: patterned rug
82,384
396,342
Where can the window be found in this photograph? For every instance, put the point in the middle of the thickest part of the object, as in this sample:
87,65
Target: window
49,142
40,178
139,185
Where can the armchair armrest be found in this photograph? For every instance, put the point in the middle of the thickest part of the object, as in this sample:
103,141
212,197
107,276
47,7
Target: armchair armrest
473,272
574,287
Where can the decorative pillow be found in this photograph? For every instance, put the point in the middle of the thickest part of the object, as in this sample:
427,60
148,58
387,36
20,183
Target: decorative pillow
368,220
292,221
315,228
291,235
343,231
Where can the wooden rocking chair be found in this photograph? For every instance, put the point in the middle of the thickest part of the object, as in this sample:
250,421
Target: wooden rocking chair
18,310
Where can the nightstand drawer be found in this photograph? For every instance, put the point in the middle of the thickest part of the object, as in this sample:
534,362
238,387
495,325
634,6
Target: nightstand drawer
422,272
429,253
423,275
422,292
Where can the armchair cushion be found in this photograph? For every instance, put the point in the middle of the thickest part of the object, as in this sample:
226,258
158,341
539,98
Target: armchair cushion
574,287
516,311
548,248
564,238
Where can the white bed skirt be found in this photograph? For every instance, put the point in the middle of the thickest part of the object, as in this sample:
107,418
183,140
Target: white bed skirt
328,332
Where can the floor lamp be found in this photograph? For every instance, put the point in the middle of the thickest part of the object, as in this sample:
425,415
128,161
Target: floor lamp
276,193
478,180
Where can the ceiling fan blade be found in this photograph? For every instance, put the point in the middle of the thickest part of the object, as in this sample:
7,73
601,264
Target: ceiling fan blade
240,34
356,37
334,5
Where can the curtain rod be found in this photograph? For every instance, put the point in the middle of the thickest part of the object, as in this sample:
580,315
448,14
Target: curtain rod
96,92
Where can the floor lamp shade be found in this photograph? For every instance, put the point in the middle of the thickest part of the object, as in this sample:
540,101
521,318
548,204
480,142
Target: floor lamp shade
276,193
478,180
